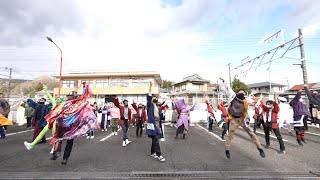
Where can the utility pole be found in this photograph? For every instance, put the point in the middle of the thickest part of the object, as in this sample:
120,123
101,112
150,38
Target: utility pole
303,60
10,77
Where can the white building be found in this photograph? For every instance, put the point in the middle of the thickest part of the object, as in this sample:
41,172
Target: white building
264,88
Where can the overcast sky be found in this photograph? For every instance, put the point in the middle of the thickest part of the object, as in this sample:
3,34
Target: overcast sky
178,38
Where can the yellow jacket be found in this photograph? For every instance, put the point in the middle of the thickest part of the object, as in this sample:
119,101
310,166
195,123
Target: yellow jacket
5,121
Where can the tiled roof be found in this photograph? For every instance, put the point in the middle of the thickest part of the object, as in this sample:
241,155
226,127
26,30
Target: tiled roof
300,87
193,78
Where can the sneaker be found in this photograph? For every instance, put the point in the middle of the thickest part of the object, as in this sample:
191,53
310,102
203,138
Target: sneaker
161,159
261,153
113,133
51,152
300,143
116,133
228,154
162,139
124,143
55,156
154,155
102,130
222,137
87,137
92,137
303,141
106,130
127,142
64,162
282,152
27,145
267,146
133,126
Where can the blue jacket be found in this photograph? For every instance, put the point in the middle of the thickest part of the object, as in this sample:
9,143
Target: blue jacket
151,118
44,111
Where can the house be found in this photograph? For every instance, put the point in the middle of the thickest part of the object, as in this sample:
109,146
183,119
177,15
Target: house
107,85
193,88
264,88
291,93
42,94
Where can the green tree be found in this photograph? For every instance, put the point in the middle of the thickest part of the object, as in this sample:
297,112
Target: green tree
39,87
166,84
238,85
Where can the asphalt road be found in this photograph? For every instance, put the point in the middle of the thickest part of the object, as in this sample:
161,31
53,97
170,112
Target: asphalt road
200,156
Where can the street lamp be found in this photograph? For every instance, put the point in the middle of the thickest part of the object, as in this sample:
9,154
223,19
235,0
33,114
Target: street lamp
60,83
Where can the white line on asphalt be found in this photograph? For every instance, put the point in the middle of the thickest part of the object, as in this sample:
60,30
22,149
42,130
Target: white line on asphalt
272,136
19,132
312,133
213,134
105,138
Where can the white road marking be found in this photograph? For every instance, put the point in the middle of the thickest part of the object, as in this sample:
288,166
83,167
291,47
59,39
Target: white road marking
18,132
105,138
272,136
312,133
213,134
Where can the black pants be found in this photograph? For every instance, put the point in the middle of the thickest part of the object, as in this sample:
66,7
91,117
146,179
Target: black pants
69,145
139,127
155,146
267,128
257,123
29,121
225,129
180,130
210,123
90,133
160,126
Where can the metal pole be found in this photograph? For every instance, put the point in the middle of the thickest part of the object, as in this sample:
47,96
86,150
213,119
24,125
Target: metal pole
60,78
10,77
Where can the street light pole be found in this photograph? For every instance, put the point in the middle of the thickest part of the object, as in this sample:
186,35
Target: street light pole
60,79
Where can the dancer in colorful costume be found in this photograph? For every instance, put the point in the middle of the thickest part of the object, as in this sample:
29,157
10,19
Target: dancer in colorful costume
183,124
75,119
224,118
300,116
46,129
4,121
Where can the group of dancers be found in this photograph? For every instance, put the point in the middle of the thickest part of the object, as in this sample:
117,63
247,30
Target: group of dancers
73,117
267,115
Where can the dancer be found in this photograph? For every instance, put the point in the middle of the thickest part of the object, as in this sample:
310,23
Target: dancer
210,115
162,109
125,119
115,116
183,125
314,99
4,121
152,131
272,109
75,118
105,116
300,116
140,118
41,110
285,114
259,114
45,130
224,117
237,113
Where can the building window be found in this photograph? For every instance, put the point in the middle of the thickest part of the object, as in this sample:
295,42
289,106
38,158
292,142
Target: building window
196,87
183,87
259,89
88,82
140,83
102,83
68,84
121,83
